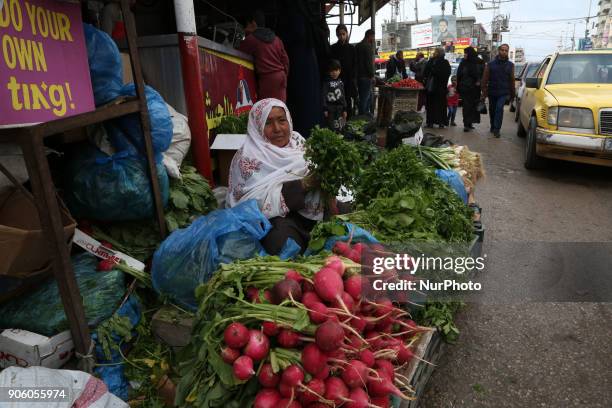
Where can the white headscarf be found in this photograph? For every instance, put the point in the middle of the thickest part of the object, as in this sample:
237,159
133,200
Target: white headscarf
259,169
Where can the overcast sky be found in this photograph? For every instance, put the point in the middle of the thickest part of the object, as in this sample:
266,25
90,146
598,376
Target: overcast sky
528,28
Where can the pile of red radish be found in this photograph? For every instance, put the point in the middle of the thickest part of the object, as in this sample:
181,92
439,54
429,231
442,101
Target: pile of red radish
354,357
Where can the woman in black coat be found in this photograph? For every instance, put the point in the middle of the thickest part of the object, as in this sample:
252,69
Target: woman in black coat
437,72
469,76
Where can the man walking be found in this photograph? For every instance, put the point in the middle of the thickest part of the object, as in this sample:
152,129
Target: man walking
365,71
498,86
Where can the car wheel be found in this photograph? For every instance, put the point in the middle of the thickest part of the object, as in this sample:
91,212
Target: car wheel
532,160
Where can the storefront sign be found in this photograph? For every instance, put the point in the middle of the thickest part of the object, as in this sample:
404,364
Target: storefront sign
44,73
421,35
229,85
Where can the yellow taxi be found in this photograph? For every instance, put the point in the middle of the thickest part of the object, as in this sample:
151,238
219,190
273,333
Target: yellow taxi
566,110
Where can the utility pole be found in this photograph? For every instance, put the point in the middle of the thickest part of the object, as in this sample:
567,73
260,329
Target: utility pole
416,10
341,4
586,31
443,6
496,22
574,39
373,15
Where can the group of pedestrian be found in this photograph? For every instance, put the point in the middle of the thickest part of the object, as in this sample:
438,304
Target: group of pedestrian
349,78
475,81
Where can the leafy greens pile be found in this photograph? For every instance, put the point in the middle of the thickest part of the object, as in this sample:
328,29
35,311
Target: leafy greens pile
401,199
190,197
233,124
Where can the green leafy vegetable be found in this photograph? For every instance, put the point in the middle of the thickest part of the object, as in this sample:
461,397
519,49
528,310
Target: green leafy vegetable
233,124
112,332
324,230
402,199
332,160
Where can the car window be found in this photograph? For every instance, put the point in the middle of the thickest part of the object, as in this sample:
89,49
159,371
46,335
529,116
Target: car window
518,70
542,68
531,70
581,68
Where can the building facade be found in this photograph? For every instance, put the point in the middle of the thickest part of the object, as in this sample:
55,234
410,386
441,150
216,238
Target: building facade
603,35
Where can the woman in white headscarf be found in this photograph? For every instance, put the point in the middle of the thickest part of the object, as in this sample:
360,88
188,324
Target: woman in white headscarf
270,168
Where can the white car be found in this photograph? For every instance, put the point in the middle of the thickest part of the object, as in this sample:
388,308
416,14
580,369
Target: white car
528,72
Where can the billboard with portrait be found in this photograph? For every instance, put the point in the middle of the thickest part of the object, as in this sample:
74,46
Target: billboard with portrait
444,29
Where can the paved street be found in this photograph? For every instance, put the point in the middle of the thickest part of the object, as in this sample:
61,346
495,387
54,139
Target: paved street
519,352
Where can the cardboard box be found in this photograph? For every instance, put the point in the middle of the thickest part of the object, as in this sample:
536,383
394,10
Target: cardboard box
23,247
24,349
225,146
96,248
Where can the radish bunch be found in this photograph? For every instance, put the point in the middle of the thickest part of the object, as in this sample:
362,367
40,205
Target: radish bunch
348,356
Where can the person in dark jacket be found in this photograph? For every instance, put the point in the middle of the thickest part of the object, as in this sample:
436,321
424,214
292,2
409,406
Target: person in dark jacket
304,90
498,86
365,71
437,72
271,60
334,101
345,53
418,67
469,77
396,66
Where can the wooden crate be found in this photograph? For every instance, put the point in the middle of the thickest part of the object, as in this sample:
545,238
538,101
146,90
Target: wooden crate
392,100
429,347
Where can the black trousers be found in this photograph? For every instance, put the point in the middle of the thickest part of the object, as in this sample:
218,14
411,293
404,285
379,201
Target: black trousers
292,226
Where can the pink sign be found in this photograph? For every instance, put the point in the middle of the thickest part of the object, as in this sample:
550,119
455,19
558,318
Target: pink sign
44,73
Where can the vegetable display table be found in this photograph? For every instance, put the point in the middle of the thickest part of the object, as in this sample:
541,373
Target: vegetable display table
392,100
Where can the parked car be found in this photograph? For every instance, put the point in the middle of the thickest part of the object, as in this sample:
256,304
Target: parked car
566,110
519,68
527,72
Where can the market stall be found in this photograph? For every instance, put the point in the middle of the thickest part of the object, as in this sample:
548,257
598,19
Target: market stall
204,316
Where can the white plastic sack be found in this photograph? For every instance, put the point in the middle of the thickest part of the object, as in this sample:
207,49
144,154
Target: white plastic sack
181,140
414,140
82,390
220,194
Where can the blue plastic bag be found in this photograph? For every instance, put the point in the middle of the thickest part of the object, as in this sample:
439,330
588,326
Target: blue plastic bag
189,256
104,65
128,129
358,235
40,311
111,188
290,250
455,181
114,375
